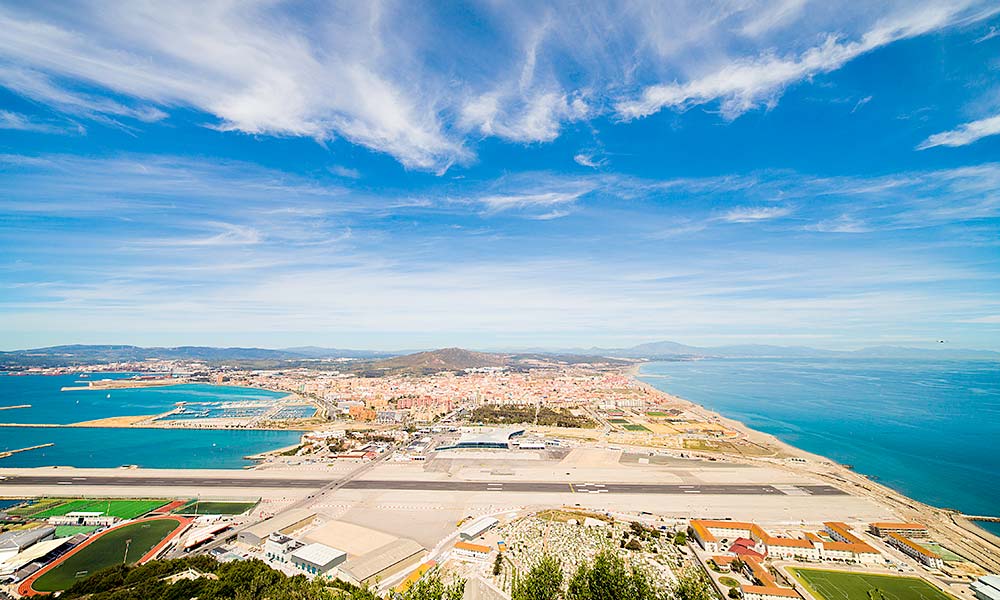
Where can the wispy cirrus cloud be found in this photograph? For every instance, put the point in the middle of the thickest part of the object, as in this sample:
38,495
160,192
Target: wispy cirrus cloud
964,134
753,214
758,81
20,122
381,75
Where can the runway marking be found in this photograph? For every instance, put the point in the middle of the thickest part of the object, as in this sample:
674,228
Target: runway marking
571,490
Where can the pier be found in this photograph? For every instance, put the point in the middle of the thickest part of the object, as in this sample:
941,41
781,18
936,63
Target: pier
983,518
6,453
15,406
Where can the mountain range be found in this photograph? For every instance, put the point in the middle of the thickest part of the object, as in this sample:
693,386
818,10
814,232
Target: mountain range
454,358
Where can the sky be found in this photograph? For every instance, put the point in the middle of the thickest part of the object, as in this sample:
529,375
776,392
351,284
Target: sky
500,174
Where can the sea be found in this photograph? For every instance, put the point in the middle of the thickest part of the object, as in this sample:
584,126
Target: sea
928,429
114,447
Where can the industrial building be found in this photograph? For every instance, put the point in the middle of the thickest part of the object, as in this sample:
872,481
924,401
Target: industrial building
382,563
477,528
285,523
986,587
317,559
14,542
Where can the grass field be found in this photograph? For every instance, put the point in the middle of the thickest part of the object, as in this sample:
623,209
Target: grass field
656,413
618,421
105,551
71,530
124,509
634,427
215,508
843,585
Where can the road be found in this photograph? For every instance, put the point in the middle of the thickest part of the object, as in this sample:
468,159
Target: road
325,486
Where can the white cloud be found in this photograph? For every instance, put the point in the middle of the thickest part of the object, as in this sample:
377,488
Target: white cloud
545,199
341,171
384,76
752,214
18,122
589,160
964,134
752,82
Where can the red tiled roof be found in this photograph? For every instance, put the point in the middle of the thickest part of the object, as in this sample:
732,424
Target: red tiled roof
891,525
769,591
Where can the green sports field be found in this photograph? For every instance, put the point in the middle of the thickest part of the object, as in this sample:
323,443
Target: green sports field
71,530
124,509
656,413
634,427
107,550
215,508
844,585
618,421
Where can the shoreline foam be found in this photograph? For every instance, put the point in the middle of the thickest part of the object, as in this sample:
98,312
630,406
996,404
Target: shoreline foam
956,531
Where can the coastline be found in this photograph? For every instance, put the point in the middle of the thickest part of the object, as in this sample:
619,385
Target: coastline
950,526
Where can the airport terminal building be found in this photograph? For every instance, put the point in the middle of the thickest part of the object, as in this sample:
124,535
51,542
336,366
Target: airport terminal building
485,439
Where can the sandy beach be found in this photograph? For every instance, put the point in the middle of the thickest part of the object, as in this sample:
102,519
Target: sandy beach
951,527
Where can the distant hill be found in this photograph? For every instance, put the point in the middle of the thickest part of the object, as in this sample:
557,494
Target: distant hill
446,359
320,352
80,354
451,359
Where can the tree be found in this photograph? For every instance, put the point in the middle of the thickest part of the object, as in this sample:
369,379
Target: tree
609,578
432,587
542,582
691,585
735,593
680,538
498,564
633,544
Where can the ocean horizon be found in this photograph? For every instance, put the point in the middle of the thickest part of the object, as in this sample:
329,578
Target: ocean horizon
927,429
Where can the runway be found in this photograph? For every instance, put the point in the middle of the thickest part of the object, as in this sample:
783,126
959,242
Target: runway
65,482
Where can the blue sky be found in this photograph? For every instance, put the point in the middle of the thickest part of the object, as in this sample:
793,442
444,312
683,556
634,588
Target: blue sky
500,174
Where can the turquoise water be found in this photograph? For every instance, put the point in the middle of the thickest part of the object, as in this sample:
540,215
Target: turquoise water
49,405
97,447
928,429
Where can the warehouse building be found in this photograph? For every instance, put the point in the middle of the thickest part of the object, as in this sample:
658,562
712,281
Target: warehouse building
14,542
382,562
986,587
477,528
284,523
317,559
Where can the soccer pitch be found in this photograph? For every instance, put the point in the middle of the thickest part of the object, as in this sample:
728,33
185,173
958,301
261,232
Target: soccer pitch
215,508
123,509
634,427
844,585
106,550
